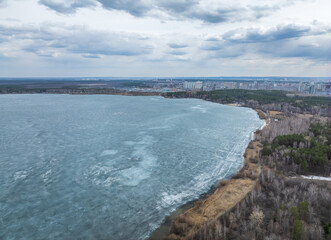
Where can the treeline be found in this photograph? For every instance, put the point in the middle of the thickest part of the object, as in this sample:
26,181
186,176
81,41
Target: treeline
74,90
301,153
291,124
263,99
279,208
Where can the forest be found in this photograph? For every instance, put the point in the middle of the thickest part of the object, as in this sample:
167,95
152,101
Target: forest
281,205
307,153
263,99
277,208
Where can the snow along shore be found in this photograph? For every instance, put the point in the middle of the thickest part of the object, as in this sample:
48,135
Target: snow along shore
315,178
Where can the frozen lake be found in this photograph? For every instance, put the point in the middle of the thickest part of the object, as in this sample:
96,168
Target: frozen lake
110,167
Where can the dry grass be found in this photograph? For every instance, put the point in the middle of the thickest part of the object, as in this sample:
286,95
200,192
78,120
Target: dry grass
275,114
226,196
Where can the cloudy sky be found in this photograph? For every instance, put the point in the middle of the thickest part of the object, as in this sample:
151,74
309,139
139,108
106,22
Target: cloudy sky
158,38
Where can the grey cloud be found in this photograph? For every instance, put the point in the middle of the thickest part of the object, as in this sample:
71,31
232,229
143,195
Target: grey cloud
223,49
234,13
289,31
67,7
263,11
10,31
178,9
113,46
212,39
138,8
100,43
293,49
134,7
177,6
58,44
218,16
39,51
91,56
45,41
177,52
228,52
213,46
177,45
3,3
281,42
279,33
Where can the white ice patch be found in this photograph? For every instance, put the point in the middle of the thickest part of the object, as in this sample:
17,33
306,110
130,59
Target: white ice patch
263,125
200,182
317,178
134,175
199,108
46,176
172,199
108,153
251,136
20,175
101,175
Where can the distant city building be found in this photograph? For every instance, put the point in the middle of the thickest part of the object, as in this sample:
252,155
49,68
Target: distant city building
192,85
228,85
312,89
321,88
198,85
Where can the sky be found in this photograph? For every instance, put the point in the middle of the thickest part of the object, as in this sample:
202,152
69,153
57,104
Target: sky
165,38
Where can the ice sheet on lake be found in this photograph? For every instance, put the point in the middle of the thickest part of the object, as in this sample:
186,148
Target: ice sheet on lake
86,167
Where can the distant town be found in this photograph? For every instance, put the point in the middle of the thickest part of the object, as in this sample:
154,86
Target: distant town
310,86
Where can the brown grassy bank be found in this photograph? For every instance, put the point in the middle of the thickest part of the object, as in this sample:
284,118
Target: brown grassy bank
263,202
228,193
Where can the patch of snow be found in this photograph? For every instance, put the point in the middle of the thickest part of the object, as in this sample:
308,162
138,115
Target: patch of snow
317,178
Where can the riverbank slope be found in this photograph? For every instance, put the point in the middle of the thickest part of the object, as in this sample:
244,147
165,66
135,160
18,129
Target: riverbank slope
227,194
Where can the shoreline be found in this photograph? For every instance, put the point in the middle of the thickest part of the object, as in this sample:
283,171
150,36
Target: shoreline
197,218
207,205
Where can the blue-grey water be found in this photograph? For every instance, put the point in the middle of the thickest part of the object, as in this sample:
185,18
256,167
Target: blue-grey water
110,167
